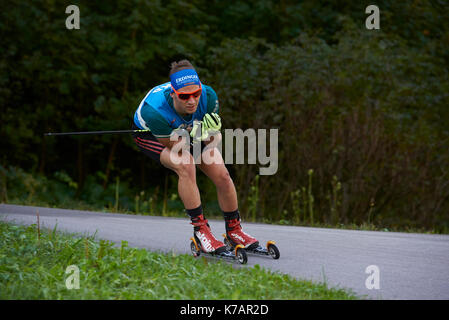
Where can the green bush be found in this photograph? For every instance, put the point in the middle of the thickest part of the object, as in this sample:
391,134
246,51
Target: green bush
366,110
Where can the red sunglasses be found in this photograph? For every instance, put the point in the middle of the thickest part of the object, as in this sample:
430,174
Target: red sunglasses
186,95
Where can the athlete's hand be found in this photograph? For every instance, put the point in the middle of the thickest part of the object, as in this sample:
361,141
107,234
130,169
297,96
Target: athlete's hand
201,130
212,122
198,131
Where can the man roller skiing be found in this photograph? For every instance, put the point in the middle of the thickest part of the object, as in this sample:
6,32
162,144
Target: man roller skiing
186,103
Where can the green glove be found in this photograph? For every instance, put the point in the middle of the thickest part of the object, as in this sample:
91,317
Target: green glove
195,133
201,130
212,122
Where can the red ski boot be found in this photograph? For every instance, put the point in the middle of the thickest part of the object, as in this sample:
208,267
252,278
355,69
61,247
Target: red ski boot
236,235
203,234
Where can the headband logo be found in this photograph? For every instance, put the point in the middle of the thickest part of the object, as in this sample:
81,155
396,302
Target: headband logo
193,77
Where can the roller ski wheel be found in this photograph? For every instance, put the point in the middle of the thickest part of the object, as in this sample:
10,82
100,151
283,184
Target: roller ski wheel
271,249
195,250
241,255
237,254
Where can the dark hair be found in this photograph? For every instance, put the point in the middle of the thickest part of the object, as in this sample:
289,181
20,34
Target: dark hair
180,65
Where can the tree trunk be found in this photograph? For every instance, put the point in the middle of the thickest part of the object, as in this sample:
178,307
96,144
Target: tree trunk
110,161
42,157
80,168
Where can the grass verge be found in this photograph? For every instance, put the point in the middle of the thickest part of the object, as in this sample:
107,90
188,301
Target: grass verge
181,214
33,265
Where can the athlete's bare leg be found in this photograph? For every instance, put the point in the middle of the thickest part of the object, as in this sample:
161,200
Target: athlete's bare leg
212,165
184,167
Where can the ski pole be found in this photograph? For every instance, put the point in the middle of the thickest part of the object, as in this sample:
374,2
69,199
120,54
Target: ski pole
93,132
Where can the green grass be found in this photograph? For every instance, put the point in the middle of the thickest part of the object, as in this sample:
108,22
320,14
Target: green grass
33,263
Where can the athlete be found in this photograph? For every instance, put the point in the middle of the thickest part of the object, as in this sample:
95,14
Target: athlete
185,103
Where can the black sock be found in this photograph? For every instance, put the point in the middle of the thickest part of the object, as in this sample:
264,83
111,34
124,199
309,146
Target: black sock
193,213
231,215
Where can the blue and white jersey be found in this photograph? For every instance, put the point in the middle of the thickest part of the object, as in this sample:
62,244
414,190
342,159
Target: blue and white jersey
157,114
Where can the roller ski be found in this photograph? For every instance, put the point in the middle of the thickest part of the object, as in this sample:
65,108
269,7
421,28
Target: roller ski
204,242
235,237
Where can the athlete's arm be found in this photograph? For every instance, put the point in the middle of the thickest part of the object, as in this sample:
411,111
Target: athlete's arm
158,126
213,107
171,142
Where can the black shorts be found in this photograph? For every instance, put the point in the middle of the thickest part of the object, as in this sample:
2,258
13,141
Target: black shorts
149,145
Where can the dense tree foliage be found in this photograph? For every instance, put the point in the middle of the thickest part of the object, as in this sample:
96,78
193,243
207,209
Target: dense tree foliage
362,114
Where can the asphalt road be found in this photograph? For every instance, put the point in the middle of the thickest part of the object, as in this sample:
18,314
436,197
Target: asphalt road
407,266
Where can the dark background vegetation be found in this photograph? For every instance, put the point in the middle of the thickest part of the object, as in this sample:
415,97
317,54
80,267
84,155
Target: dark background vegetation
362,114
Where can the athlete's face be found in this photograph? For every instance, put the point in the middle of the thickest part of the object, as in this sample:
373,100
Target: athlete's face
189,105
